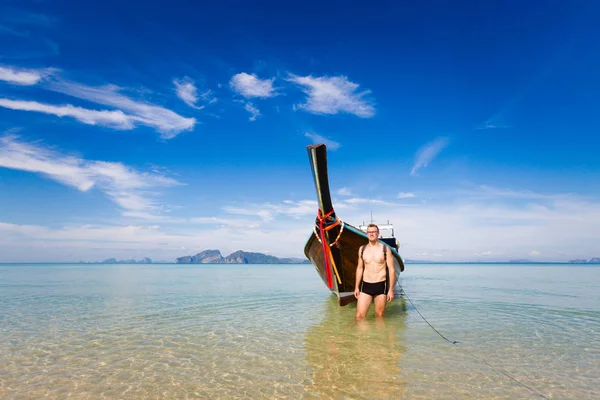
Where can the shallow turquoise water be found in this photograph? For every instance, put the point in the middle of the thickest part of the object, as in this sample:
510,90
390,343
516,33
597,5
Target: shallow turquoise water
235,331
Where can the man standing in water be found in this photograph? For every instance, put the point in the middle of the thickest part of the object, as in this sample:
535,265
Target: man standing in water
375,275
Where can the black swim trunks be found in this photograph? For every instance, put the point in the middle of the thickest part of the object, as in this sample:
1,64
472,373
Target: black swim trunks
374,288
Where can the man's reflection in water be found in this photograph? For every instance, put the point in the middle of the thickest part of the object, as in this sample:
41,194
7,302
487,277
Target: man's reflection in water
356,359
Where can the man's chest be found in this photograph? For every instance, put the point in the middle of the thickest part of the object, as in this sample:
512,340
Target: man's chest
373,254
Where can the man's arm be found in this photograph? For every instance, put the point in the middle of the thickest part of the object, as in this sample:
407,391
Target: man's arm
359,273
392,273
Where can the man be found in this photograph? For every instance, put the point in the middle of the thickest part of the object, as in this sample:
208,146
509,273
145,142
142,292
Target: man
371,282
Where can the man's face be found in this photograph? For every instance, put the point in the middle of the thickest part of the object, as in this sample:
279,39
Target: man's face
372,232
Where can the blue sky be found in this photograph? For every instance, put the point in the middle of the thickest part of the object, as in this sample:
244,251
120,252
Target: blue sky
159,129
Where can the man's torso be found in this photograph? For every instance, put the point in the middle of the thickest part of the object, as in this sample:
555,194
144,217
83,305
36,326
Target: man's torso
374,263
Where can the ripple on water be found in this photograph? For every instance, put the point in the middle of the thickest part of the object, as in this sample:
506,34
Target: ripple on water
155,334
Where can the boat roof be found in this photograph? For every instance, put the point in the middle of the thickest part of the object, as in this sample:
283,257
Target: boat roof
385,230
381,226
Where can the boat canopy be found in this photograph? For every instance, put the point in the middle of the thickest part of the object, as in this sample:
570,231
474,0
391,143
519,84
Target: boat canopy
385,230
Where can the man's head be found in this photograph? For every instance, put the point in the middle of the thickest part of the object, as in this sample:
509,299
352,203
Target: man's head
372,231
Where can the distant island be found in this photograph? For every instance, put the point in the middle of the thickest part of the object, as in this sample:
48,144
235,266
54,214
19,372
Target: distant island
144,260
595,260
244,257
238,257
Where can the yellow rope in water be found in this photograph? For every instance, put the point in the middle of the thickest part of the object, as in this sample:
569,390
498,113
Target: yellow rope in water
335,268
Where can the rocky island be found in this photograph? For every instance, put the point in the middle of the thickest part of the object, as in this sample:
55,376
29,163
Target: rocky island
595,260
144,260
238,257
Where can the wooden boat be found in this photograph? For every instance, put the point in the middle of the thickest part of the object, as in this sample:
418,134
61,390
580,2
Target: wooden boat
333,246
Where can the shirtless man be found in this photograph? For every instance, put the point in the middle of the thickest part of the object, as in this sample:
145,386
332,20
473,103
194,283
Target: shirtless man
370,275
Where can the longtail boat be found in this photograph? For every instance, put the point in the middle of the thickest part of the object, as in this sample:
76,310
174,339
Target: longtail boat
334,244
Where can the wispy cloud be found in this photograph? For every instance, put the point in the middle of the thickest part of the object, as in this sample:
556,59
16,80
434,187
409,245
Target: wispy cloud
165,121
427,153
559,227
113,119
226,222
556,228
405,195
354,201
21,76
125,186
318,139
128,113
40,243
268,211
186,90
344,192
489,125
487,191
19,17
14,32
251,108
332,95
251,86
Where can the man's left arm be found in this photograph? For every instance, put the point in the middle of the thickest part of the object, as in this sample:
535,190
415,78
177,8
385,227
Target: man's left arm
392,273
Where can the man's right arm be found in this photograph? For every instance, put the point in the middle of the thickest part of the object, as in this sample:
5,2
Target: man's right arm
359,274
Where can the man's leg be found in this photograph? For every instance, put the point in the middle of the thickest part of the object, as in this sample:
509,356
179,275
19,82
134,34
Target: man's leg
363,304
380,305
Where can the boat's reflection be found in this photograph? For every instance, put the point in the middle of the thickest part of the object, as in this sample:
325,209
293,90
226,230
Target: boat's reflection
356,359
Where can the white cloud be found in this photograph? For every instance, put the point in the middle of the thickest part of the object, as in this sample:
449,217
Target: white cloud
488,191
332,95
21,243
251,86
318,139
464,228
353,201
125,186
556,227
405,195
427,153
487,232
490,125
535,253
186,90
344,192
226,222
268,211
127,114
20,76
167,122
29,157
251,108
113,119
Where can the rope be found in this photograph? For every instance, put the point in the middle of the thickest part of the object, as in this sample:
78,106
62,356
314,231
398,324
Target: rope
337,274
436,331
327,255
473,355
339,221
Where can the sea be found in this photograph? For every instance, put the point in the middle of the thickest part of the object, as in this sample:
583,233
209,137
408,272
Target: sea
169,331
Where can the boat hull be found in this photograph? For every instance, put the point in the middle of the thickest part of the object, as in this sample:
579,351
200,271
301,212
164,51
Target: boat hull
345,253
